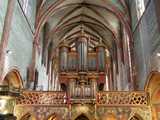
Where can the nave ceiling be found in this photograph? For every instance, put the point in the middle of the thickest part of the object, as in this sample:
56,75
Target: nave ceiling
100,19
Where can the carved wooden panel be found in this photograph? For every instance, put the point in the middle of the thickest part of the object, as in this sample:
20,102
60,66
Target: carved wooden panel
102,99
122,98
42,98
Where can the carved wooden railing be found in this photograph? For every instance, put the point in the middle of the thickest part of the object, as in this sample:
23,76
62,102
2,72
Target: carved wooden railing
42,98
136,98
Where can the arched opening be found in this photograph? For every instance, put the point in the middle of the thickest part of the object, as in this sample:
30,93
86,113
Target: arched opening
10,86
101,87
82,117
153,87
155,101
13,79
63,87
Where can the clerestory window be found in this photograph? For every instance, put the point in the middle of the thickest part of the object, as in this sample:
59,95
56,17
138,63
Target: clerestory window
140,8
25,5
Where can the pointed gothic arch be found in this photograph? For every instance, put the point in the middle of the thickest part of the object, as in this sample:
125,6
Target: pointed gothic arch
13,79
82,117
153,88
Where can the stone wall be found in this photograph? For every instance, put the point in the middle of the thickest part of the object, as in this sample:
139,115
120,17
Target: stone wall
19,49
3,9
146,39
20,43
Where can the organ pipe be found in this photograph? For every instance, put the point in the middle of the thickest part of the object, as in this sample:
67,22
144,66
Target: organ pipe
63,57
72,61
92,61
101,57
82,53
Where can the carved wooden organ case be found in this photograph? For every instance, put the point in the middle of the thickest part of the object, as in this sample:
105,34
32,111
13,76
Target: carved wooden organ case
81,68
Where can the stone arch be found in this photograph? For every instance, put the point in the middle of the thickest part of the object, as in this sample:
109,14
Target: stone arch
85,109
153,88
153,81
13,79
86,115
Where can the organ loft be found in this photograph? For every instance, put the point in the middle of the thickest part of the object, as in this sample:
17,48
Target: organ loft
79,60
82,66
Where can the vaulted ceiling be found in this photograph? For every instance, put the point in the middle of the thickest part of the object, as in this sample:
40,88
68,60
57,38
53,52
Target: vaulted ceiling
101,19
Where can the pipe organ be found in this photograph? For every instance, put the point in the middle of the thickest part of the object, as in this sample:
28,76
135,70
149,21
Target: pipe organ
101,58
82,60
82,54
92,62
63,58
72,61
82,69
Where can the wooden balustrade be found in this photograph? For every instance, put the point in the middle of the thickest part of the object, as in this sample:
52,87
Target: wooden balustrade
119,98
42,98
135,98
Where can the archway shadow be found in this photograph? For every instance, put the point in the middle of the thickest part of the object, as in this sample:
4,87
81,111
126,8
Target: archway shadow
82,117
